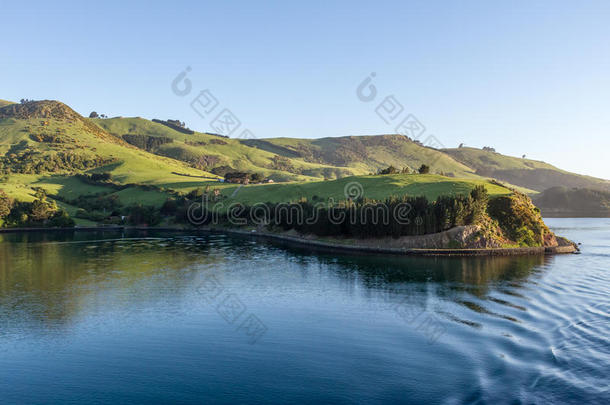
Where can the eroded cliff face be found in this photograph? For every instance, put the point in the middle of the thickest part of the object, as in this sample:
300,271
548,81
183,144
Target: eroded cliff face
510,221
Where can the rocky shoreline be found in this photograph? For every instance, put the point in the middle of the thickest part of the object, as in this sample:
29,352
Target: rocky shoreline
407,245
380,247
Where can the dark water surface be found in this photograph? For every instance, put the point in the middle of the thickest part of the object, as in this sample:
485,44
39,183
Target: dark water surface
157,317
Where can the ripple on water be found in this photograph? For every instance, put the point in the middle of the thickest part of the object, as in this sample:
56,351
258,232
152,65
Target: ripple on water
533,330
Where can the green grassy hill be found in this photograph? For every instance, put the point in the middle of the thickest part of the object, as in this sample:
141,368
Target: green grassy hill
222,154
4,102
45,143
532,174
290,158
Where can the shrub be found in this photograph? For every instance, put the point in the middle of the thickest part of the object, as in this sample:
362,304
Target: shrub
424,169
61,219
143,215
389,170
6,203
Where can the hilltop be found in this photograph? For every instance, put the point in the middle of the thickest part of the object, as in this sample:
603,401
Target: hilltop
40,109
366,153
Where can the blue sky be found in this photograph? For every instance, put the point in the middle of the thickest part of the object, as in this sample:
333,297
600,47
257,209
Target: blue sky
524,77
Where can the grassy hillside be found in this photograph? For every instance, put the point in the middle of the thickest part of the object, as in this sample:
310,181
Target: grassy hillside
4,102
46,143
527,173
290,159
365,154
300,159
211,151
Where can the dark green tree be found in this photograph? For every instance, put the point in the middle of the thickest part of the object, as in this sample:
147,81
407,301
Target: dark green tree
6,204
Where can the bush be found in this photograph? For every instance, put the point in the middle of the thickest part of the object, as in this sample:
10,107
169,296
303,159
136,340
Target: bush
257,178
143,215
146,142
39,213
364,218
61,219
6,204
389,170
424,169
169,207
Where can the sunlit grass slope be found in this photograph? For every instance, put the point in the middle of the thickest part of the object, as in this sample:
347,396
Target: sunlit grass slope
371,187
33,137
221,151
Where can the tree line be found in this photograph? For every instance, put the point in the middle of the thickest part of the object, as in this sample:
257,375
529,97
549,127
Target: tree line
394,216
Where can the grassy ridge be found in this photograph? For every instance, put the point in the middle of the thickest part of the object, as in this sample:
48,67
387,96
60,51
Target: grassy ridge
528,173
222,151
365,153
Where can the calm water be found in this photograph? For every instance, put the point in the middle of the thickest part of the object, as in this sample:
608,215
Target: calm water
156,318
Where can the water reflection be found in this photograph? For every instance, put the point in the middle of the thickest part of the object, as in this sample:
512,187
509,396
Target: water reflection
81,311
48,279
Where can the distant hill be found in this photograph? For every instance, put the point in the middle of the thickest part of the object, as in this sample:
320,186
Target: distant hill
573,202
527,173
364,153
4,102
